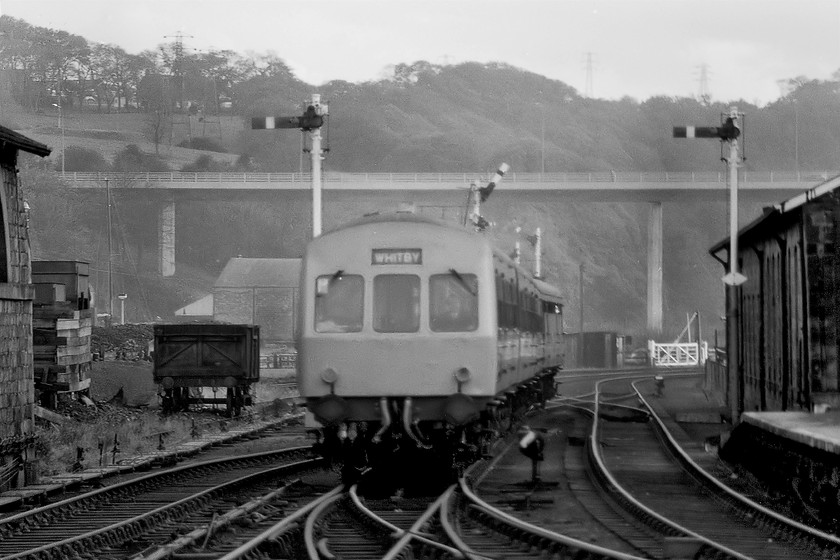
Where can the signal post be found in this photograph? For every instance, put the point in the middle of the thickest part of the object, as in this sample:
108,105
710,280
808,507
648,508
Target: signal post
311,121
729,131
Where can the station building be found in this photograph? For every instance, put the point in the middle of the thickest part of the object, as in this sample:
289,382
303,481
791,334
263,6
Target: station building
783,391
787,313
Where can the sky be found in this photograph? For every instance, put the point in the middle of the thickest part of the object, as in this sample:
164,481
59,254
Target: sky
732,49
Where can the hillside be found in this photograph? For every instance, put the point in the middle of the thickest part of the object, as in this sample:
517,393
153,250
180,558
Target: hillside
610,239
109,134
428,120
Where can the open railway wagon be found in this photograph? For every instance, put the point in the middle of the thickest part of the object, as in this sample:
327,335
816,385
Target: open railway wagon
223,358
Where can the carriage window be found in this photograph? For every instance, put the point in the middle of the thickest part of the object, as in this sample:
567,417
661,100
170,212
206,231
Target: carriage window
396,303
453,302
339,303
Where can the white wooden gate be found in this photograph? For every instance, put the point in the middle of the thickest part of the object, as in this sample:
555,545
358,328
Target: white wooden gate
678,353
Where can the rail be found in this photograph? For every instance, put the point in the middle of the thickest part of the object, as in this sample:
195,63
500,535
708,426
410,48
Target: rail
121,179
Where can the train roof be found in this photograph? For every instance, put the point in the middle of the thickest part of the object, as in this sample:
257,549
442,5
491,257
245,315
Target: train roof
547,289
409,217
398,216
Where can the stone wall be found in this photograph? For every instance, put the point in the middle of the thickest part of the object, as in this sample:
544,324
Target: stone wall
801,481
17,390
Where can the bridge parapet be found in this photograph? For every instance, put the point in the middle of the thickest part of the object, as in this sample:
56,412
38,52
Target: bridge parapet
170,180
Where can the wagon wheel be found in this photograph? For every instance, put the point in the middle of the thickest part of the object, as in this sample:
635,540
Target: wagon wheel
229,403
167,401
185,398
176,399
237,402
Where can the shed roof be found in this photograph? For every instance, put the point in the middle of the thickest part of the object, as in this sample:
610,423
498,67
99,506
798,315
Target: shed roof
21,142
242,272
772,214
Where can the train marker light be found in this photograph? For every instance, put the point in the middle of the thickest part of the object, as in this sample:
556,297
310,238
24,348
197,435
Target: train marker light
462,375
329,376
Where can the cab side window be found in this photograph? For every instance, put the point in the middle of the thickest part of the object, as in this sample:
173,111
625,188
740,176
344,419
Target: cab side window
339,303
396,303
453,302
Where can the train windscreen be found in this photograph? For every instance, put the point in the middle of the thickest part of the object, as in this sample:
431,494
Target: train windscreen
339,303
453,302
396,303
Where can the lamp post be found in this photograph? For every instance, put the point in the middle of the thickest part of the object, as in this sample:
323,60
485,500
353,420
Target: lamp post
61,126
122,298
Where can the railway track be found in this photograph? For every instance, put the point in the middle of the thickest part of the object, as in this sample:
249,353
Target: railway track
286,517
123,516
645,470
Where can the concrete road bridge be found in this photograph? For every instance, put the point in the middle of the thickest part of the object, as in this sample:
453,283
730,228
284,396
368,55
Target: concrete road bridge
449,190
603,186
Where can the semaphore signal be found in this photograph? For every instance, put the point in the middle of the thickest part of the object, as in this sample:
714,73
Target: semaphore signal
312,118
728,131
310,121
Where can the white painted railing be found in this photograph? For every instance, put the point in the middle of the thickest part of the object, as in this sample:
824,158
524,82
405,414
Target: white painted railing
678,353
338,177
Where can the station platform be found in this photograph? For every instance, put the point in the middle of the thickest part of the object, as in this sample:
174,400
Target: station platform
819,431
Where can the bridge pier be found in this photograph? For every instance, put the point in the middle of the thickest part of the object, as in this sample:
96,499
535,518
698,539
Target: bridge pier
166,238
654,270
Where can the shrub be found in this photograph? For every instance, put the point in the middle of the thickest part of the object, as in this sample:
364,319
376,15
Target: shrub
77,158
204,164
203,143
132,158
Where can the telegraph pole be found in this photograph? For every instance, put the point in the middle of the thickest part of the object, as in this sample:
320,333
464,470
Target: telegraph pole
311,121
580,335
110,254
729,131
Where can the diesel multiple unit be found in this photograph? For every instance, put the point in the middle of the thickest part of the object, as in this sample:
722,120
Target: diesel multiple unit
412,328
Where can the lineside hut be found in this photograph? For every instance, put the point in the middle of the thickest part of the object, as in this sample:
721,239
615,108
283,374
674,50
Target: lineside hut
260,292
17,389
789,319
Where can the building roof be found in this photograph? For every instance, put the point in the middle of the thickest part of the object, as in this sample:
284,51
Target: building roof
772,214
202,307
21,142
259,273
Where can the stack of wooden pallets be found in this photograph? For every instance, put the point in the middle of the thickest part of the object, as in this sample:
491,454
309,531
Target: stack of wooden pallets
61,345
62,325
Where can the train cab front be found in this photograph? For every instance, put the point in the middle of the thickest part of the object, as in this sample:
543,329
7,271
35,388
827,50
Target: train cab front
397,334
